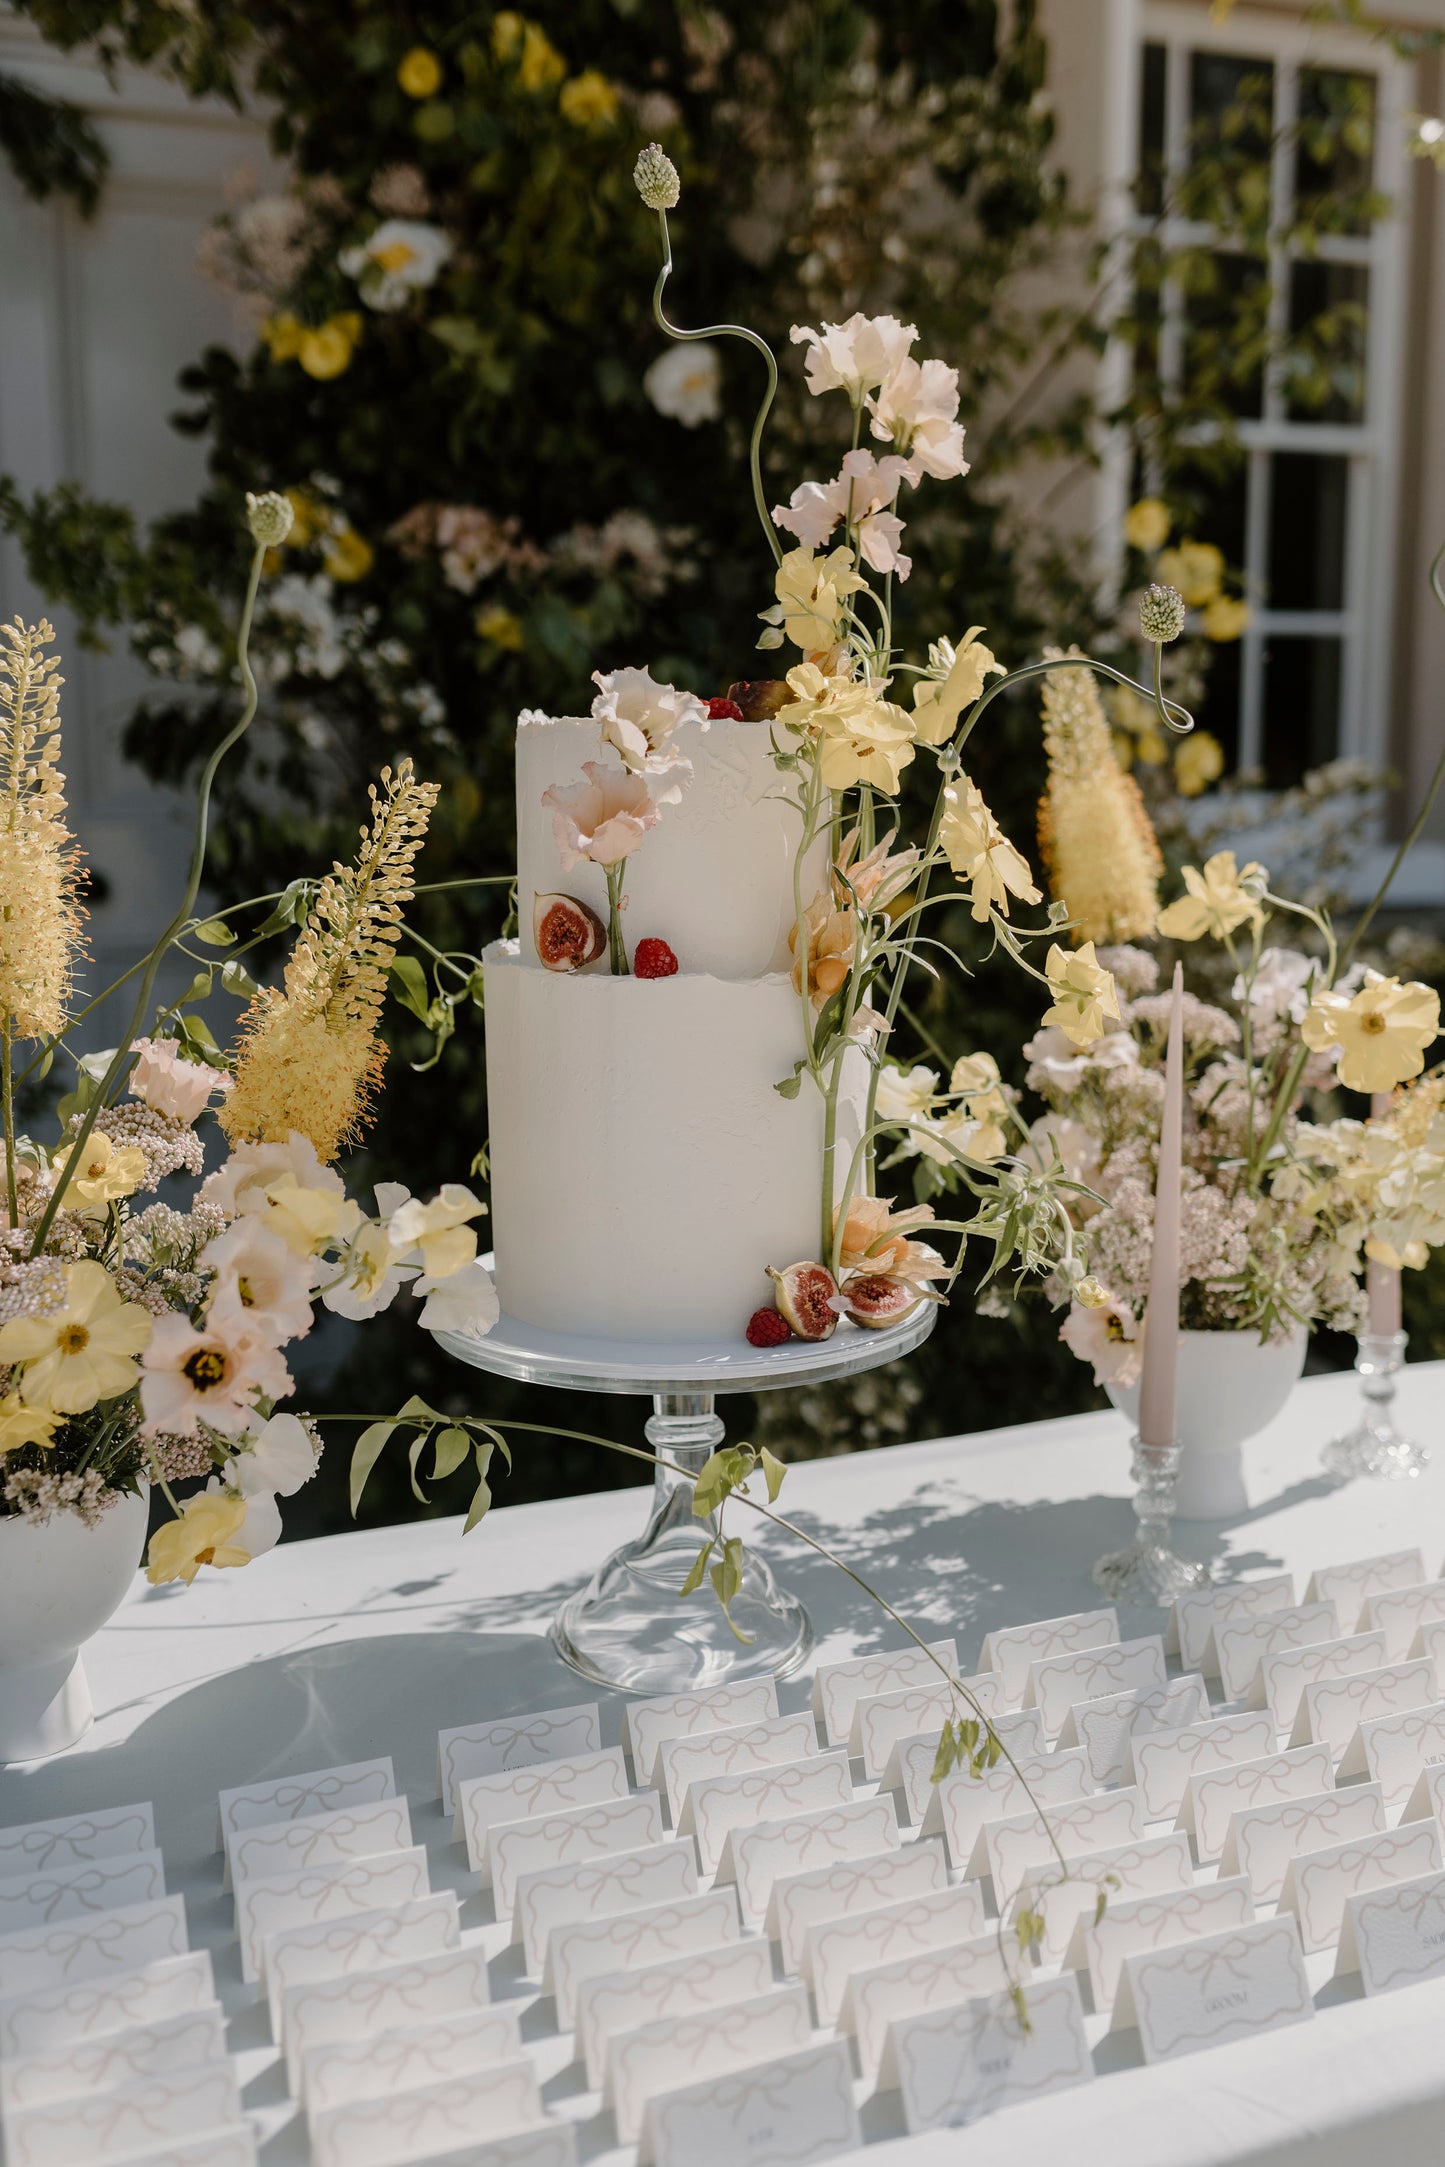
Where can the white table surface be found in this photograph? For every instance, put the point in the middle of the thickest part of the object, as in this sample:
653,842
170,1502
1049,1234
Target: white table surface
336,1650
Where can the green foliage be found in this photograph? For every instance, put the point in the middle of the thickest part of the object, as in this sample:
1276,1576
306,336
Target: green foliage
51,147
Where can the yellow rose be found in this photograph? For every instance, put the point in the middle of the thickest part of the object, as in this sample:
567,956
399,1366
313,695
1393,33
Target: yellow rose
1198,762
1217,901
1084,993
420,73
588,101
937,706
1195,568
1147,524
1382,1033
347,556
501,627
326,352
1225,618
204,1534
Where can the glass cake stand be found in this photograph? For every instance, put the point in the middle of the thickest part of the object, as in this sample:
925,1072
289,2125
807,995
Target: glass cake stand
627,1627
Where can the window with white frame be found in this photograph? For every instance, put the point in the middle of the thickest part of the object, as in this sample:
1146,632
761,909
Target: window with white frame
1306,512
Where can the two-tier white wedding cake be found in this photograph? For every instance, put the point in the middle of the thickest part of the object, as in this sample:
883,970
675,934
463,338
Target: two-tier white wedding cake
645,1170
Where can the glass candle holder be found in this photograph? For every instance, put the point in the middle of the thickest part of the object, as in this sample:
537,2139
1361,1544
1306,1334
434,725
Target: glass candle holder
1149,1571
1375,1447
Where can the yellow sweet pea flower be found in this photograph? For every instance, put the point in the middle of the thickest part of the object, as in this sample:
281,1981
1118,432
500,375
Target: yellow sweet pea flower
1084,993
440,1230
420,73
811,591
348,557
1218,899
204,1534
1225,618
22,1425
1147,524
1195,568
588,101
1382,1033
980,852
937,704
309,1220
83,1353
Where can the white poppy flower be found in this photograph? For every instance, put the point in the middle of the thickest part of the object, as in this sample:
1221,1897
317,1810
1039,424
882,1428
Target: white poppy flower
402,257
685,383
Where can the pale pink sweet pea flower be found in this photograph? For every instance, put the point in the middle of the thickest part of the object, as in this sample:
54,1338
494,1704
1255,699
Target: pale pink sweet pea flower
240,1184
168,1084
278,1460
915,410
207,1372
604,818
856,356
864,492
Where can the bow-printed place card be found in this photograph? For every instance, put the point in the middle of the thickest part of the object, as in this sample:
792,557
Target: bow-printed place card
546,2144
1025,1840
962,1805
1162,1762
1318,1885
120,2058
1430,1640
1013,1649
1283,1676
1239,1645
882,1719
1348,1587
345,2071
1225,1986
836,1948
755,1857
74,1838
486,1749
1395,1936
75,1949
1058,1683
677,2050
1333,1708
1428,1796
1262,1840
362,2005
294,1798
556,1895
1213,1797
92,2130
435,2118
1103,1727
520,1794
912,1760
950,1972
1132,1924
646,1723
1402,1611
956,2065
80,1892
592,1948
619,2001
774,1742
322,1839
722,1803
71,2011
233,2146
1153,1865
843,1888
268,1905
1190,1625
370,1941
839,1687
560,1839
789,2112
1392,1750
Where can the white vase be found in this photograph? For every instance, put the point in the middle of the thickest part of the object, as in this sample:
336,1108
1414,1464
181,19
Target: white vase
1229,1386
59,1583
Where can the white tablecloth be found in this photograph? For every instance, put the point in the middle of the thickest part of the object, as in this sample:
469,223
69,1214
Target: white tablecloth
333,1651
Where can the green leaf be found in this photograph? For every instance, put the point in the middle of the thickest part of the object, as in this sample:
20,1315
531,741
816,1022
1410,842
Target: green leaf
727,1574
773,1473
416,1405
1101,1905
480,1506
238,980
452,1447
199,988
215,933
367,1451
408,984
414,1452
791,1085
715,1482
694,1579
947,1753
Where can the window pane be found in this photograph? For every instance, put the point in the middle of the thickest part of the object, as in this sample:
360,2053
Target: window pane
1211,492
1219,709
1308,505
1335,152
1301,706
1226,302
1328,317
1149,187
1231,121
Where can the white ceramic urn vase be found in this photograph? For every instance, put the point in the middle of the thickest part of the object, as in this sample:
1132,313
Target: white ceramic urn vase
59,1583
1229,1386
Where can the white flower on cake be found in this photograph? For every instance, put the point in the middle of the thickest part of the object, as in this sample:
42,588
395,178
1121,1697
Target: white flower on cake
402,257
862,495
640,719
856,356
602,819
915,410
685,383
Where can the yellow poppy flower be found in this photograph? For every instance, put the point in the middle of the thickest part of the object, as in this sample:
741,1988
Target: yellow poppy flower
203,1534
1218,899
1382,1033
83,1353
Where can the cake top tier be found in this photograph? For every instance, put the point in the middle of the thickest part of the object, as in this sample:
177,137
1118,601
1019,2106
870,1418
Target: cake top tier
713,878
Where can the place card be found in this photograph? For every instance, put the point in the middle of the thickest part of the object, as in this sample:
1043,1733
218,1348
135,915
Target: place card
1402,1611
1162,1762
560,1839
1213,1796
322,1839
593,1948
1392,1750
619,2001
370,1941
774,1742
76,1949
788,2112
836,1948
1132,1924
520,1794
1318,1885
930,1979
546,2144
72,1839
1349,1586
434,2118
1333,1708
962,1805
1015,1648
1283,1676
646,1723
714,1808
839,1687
1152,1865
755,1857
1263,1839
313,1893
295,1798
344,2071
912,1760
72,2011
1103,1727
1189,1628
1058,1682
954,2066
845,1888
557,1895
94,2130
1395,1936
361,2005
882,1719
488,1749
677,2050
1239,1645
74,2067
1224,1986
80,1892
1012,1847
231,2147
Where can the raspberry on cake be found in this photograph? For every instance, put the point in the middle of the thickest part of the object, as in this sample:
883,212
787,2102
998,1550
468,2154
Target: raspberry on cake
653,959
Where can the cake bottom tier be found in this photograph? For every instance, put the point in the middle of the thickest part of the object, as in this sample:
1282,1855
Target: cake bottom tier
644,1170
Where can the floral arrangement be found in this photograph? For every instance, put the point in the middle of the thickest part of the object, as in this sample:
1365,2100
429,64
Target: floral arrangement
145,1341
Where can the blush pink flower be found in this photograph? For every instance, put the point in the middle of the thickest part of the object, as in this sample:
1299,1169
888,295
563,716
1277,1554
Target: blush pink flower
168,1084
876,1238
261,1287
210,1373
1110,1338
604,818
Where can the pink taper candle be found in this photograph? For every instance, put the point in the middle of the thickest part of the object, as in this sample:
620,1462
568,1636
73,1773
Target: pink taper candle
1161,1327
1382,1281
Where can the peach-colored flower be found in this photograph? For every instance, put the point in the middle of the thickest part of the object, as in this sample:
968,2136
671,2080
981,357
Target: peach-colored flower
831,935
168,1084
878,878
604,818
211,1372
876,1238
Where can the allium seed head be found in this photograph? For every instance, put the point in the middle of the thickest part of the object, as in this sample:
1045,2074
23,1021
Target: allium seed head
1161,614
269,517
656,178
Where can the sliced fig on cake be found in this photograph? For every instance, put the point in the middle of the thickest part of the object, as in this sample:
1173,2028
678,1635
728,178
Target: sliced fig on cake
872,1298
806,1295
758,699
567,933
